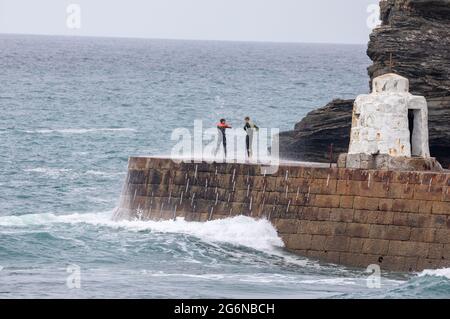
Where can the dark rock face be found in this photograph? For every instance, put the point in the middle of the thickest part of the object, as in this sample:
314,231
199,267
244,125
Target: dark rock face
312,137
417,35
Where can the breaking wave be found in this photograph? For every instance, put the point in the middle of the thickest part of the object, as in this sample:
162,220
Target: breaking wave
239,231
80,130
56,172
444,272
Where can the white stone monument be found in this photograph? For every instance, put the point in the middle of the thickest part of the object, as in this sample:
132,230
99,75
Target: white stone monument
389,128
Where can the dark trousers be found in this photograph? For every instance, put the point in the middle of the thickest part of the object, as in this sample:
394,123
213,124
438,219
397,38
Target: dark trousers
247,143
222,140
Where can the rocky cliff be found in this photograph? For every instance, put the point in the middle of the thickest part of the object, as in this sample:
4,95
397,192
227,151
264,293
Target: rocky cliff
416,33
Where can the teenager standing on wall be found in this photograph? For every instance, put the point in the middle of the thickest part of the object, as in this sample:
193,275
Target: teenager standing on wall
250,129
222,127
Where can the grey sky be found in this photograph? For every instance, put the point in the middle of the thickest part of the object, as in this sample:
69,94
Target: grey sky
331,21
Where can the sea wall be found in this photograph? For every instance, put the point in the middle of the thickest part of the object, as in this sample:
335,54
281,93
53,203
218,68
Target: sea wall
399,220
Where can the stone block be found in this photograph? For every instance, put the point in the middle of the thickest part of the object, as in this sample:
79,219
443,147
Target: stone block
139,163
442,208
401,191
442,236
327,201
446,253
425,207
337,243
324,214
343,187
353,161
366,203
286,226
408,249
299,241
361,216
390,83
385,204
332,257
439,221
317,228
356,245
342,160
310,213
406,205
338,228
382,162
357,230
271,184
390,232
428,192
428,263
400,263
372,217
318,242
376,246
373,189
316,254
414,164
346,201
400,219
435,251
446,194
423,235
357,259
385,218
341,215
418,220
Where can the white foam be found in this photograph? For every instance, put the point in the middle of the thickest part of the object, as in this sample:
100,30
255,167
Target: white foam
444,272
80,131
105,174
254,278
240,230
331,281
48,170
54,172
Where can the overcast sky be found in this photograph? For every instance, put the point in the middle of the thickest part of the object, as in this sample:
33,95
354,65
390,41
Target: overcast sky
330,21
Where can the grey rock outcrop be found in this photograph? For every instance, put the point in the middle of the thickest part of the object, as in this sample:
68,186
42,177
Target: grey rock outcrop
416,33
312,136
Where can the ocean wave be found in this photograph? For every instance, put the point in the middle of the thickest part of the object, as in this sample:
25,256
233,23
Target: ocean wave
239,230
332,281
80,130
444,272
428,284
104,174
257,278
55,172
48,171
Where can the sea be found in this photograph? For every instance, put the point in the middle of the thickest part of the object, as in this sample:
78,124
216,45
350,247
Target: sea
73,109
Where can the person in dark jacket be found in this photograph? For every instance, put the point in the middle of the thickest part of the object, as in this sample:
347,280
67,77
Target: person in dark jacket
250,128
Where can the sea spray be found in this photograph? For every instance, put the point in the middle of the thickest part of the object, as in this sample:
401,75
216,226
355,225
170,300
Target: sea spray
238,230
443,272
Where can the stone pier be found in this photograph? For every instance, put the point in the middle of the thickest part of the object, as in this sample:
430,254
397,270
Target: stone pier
397,219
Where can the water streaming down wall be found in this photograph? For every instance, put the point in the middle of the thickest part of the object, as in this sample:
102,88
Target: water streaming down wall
399,220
